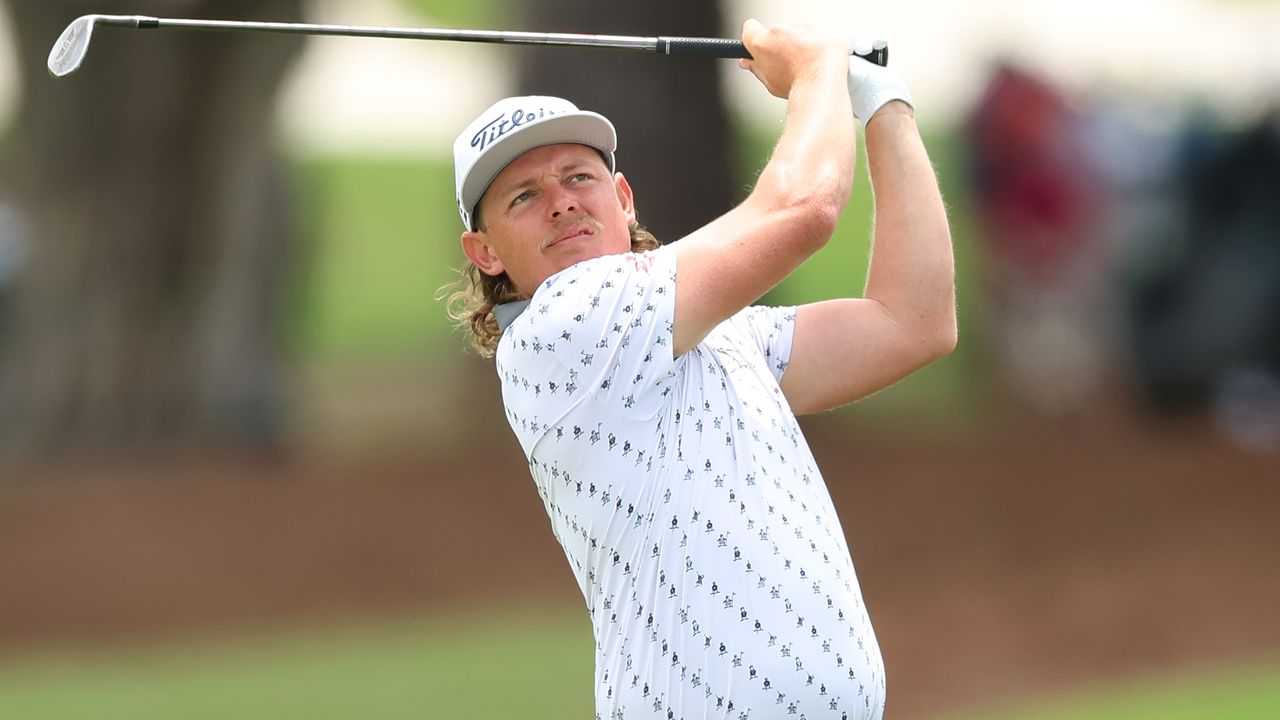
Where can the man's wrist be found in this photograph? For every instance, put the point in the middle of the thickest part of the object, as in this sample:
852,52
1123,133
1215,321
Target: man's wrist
824,69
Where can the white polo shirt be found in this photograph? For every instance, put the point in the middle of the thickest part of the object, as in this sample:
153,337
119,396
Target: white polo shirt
688,503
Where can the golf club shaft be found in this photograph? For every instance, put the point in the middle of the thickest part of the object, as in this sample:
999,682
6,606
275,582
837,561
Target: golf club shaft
714,47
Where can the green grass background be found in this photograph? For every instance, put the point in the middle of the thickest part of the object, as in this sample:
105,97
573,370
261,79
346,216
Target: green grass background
1243,692
532,663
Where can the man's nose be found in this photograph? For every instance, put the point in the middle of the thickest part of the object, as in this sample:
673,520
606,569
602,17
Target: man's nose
562,203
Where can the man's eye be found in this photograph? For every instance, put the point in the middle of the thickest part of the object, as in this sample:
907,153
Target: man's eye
521,197
579,177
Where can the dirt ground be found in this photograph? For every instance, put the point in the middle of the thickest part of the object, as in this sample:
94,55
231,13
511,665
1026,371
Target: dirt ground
1023,558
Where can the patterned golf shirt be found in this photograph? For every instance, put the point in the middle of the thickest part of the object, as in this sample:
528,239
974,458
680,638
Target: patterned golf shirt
688,503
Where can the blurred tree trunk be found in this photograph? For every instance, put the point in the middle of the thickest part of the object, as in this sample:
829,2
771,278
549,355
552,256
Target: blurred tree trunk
674,139
147,316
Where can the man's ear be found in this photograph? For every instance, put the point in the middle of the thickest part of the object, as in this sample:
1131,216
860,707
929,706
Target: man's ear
625,196
478,250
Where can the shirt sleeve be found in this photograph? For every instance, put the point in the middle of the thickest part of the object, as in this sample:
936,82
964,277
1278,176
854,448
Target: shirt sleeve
772,329
601,328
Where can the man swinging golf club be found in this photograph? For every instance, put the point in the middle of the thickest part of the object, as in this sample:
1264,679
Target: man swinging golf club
657,408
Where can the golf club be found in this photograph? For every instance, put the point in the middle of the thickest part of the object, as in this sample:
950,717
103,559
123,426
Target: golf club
69,51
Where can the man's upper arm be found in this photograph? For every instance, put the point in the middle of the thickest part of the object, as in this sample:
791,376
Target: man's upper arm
843,350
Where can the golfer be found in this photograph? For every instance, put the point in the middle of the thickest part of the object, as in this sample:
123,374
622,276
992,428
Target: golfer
657,407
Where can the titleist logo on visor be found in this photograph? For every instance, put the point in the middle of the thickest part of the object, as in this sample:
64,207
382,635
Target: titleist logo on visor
501,125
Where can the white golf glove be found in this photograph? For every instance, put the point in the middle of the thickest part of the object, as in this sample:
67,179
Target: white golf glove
871,86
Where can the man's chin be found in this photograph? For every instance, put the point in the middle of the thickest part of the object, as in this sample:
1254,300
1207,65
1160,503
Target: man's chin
572,256
574,252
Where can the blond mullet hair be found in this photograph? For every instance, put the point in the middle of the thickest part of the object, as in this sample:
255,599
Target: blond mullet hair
471,297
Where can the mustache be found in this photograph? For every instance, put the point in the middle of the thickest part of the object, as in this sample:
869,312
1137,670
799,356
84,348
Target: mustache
564,226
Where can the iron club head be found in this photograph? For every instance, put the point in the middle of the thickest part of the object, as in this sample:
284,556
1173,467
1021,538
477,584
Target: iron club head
69,51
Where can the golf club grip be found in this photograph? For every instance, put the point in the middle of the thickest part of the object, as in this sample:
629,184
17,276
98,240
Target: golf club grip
726,48
715,47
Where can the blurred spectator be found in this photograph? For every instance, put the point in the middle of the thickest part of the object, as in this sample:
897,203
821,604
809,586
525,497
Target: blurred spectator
13,251
1206,320
13,244
1036,213
1132,148
1122,219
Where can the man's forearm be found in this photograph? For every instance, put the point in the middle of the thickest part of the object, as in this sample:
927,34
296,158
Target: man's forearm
912,272
814,157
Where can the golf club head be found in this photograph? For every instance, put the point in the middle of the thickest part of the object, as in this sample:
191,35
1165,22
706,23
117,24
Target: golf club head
69,51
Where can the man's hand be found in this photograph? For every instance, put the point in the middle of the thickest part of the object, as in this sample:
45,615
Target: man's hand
871,87
782,54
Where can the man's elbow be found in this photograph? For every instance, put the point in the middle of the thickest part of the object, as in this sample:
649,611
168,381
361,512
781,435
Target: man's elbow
814,219
942,340
827,210
946,341
932,340
940,329
806,211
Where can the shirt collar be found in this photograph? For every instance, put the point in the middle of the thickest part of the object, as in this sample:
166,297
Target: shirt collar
507,313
